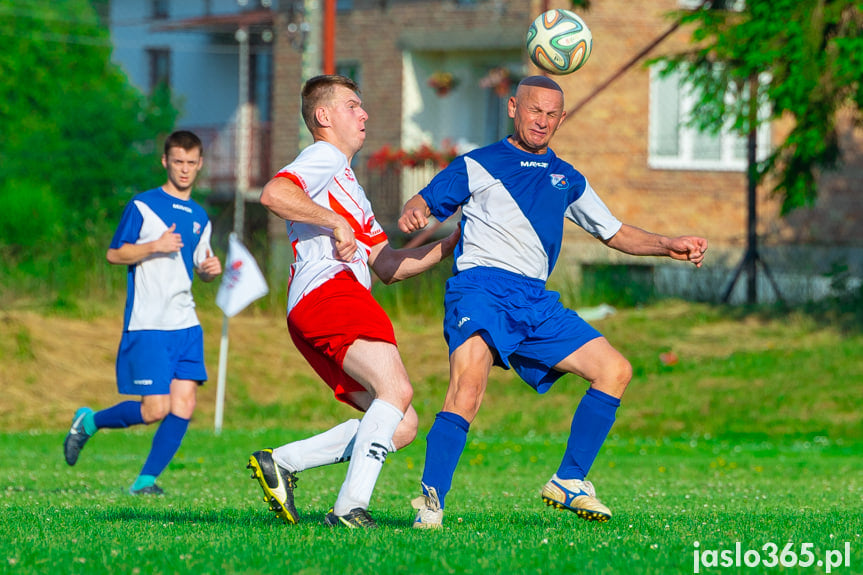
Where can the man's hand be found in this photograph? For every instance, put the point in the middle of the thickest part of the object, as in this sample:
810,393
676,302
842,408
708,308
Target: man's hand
169,242
414,215
210,267
346,242
688,248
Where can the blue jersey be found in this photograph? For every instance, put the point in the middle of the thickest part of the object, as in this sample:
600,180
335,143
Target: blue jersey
159,288
513,207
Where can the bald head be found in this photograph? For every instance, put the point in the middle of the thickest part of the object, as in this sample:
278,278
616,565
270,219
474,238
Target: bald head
541,82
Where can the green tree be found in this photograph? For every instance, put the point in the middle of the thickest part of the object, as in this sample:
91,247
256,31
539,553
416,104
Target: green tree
808,55
75,132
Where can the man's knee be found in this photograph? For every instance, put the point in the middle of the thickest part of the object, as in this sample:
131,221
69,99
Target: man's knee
406,432
183,398
624,372
465,397
400,395
155,408
615,377
184,407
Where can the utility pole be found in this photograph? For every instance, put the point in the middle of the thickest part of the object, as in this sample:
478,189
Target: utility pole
329,33
241,186
752,258
242,139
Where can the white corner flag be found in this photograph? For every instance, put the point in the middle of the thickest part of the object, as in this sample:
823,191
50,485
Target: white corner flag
242,283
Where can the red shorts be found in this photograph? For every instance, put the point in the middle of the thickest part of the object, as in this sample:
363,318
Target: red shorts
327,320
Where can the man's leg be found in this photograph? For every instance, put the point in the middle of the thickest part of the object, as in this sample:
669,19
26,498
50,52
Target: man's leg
336,444
87,422
170,434
470,365
377,366
608,373
123,414
371,447
276,470
332,446
591,424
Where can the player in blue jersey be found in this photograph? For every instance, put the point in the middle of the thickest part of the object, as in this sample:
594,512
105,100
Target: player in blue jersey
514,196
163,237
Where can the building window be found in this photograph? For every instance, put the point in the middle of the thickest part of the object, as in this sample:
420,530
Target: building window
159,9
497,123
344,5
730,5
349,69
261,83
674,144
159,60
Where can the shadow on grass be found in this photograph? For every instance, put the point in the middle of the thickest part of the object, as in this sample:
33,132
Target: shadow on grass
225,516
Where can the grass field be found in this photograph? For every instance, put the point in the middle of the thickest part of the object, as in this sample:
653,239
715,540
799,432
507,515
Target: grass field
752,437
666,494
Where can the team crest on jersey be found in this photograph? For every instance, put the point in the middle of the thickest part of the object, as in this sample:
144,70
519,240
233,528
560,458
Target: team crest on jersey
196,228
349,174
559,181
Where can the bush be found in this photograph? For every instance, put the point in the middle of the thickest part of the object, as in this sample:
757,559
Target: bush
30,218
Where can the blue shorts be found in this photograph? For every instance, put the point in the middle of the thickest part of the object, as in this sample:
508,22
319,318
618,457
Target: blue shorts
149,360
524,324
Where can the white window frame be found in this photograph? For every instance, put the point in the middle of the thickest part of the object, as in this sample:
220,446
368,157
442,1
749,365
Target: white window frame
734,6
685,158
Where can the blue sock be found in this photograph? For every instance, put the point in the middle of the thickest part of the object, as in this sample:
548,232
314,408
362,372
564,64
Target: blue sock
123,414
166,442
444,445
590,426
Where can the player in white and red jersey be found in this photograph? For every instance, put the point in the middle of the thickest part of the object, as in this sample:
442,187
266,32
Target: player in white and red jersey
332,317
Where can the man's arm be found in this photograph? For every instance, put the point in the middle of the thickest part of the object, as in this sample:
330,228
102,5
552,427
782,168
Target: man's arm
290,202
393,265
130,254
635,241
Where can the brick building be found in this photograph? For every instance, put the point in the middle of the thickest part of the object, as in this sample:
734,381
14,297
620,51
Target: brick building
652,171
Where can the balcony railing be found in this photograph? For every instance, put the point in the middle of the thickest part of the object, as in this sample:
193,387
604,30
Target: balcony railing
390,188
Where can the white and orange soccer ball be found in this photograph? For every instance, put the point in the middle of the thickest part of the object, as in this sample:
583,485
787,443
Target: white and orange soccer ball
559,41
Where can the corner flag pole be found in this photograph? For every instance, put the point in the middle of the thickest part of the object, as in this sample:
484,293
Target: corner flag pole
223,369
242,183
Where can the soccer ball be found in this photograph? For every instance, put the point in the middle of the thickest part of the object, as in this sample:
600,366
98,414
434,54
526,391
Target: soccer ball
559,41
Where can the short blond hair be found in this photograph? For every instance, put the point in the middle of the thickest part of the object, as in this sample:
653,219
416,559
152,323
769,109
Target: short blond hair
319,90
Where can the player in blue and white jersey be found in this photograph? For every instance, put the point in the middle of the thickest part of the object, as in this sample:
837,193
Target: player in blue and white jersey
163,237
514,196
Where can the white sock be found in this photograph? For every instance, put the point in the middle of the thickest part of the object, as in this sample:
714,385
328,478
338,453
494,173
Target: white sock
374,440
332,446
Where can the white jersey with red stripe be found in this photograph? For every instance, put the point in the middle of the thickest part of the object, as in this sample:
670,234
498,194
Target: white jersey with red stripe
323,172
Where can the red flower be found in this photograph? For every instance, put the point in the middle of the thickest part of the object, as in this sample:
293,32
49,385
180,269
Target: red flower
387,158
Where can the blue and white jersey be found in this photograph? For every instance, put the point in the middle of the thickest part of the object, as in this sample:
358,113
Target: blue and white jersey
159,288
513,206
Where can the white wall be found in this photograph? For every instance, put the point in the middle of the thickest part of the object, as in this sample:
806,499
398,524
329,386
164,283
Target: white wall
464,116
203,75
